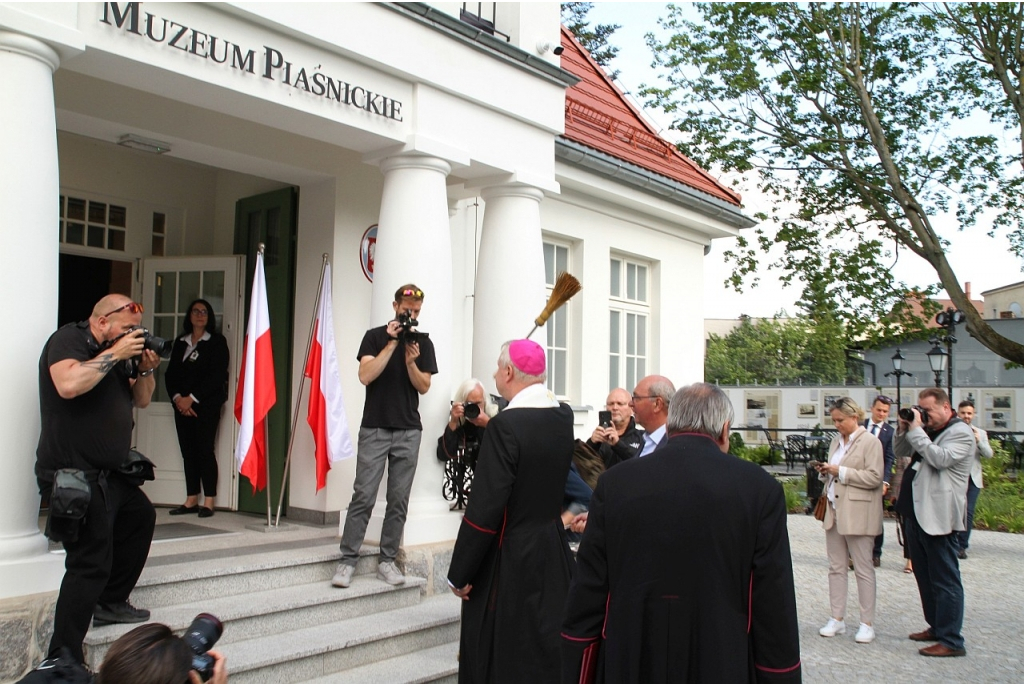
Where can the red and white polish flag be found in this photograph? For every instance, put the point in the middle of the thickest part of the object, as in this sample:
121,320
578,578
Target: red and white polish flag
326,406
257,390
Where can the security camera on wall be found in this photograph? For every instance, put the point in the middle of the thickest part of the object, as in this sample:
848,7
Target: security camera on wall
543,47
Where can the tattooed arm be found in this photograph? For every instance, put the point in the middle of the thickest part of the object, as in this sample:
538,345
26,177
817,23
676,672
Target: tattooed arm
73,378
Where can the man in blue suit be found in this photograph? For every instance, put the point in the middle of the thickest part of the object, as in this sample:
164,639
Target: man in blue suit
878,426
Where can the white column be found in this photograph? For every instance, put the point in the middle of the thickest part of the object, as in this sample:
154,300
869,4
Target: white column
510,290
414,246
29,188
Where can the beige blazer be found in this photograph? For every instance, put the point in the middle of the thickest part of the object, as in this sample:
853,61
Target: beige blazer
859,494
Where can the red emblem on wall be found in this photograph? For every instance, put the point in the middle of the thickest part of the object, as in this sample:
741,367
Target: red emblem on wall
367,248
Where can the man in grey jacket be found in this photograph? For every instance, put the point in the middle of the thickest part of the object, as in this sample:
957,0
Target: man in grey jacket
965,410
933,504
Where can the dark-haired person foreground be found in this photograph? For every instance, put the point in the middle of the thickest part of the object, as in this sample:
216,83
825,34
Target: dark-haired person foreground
197,383
91,375
684,573
150,653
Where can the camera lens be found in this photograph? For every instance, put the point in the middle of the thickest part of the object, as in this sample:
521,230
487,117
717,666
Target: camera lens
471,410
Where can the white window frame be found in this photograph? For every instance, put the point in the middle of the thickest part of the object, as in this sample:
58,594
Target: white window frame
559,357
629,302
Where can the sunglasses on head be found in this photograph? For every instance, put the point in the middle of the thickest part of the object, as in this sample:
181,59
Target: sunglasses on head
409,292
132,307
885,399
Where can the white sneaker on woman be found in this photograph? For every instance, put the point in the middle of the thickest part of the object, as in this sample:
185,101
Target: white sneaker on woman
832,628
865,634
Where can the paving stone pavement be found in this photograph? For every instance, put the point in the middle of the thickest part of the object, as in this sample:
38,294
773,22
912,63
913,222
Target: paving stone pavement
993,578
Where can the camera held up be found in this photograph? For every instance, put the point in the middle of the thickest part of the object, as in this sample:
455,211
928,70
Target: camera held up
150,342
907,414
407,329
200,637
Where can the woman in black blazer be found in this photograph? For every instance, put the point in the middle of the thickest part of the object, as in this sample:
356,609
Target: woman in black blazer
197,381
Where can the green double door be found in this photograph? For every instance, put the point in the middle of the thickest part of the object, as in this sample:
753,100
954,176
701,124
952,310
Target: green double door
271,219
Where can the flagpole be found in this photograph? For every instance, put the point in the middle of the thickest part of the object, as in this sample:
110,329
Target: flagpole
260,248
302,382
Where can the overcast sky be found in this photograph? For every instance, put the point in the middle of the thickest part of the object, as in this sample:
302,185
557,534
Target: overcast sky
985,262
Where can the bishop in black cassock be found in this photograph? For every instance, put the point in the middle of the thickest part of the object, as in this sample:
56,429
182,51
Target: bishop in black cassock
511,561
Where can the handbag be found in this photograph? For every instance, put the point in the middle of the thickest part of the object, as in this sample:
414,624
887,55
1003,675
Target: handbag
69,503
819,507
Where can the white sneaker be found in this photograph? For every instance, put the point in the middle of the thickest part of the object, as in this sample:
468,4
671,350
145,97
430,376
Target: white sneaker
865,634
389,573
832,628
343,576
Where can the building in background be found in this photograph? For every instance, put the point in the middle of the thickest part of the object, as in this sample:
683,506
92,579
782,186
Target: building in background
150,148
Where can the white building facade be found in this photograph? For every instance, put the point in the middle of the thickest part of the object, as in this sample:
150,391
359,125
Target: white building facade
165,141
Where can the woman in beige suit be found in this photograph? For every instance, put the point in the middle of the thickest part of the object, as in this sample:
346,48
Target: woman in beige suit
853,486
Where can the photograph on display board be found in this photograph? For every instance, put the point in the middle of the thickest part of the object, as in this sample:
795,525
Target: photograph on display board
806,410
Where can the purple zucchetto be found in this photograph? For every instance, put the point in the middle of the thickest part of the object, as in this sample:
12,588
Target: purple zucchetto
527,356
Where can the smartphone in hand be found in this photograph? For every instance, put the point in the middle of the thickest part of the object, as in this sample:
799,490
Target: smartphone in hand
605,419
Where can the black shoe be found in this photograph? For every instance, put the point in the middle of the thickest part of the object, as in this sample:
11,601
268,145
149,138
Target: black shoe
962,554
205,512
120,612
182,510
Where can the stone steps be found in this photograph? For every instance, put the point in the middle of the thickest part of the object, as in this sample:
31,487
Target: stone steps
284,622
433,665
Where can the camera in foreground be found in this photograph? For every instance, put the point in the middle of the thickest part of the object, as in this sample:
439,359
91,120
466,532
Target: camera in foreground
200,637
907,413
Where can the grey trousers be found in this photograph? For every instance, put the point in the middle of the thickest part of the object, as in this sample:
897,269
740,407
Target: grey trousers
380,447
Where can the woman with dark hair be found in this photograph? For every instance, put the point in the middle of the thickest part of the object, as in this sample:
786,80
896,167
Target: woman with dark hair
197,382
152,653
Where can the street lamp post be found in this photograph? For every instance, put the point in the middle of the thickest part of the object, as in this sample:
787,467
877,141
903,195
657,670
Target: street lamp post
897,370
937,359
948,321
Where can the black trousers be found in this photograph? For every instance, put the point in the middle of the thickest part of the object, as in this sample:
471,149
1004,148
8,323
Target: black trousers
104,564
197,436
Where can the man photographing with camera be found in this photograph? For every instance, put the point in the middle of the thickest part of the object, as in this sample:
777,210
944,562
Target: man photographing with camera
91,375
933,504
395,364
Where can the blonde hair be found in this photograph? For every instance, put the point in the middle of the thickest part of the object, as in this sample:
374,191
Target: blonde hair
847,407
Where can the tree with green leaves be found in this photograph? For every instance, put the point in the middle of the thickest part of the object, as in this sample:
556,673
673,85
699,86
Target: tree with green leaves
778,350
866,122
596,39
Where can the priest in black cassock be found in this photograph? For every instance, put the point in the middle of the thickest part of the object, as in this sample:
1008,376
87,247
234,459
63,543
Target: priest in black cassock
684,572
511,563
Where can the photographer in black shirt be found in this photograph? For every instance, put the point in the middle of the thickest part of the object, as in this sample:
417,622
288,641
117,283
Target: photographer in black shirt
91,375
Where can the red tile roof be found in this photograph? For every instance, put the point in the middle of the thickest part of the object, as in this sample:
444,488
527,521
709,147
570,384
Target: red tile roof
599,116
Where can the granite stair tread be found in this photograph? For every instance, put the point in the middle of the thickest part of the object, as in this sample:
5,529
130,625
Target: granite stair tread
273,649
422,666
256,560
259,603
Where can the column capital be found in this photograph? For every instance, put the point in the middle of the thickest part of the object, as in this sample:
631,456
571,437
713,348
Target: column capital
512,190
415,162
30,47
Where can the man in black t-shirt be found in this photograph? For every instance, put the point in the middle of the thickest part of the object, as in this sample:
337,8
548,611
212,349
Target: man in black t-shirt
91,374
395,365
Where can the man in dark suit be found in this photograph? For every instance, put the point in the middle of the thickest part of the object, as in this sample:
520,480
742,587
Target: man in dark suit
878,426
685,568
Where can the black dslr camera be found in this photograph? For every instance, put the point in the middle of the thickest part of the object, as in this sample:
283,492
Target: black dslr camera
406,329
907,414
470,410
149,342
203,634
